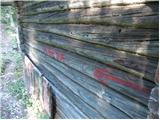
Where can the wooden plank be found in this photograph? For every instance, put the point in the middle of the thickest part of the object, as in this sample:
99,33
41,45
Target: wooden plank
61,100
67,106
29,4
6,3
132,40
62,116
89,68
121,60
63,60
85,108
40,5
149,22
108,71
105,109
96,32
89,111
112,16
27,74
69,5
129,106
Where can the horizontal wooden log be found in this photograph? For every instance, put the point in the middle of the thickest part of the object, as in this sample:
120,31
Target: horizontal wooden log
106,110
101,59
29,4
121,60
76,100
106,16
93,69
61,102
138,41
95,32
48,51
40,5
68,5
67,107
61,114
59,56
85,108
128,106
150,22
6,3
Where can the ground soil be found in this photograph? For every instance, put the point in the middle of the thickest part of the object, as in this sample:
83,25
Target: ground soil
10,106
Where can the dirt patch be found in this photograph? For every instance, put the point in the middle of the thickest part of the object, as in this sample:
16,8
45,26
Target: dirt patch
15,102
10,106
5,64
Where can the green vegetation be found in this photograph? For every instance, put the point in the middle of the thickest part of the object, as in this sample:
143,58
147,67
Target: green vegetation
10,55
6,13
41,115
17,89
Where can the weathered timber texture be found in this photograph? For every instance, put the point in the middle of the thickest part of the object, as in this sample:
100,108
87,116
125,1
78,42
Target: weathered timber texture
97,58
126,39
95,69
138,16
106,55
38,87
108,94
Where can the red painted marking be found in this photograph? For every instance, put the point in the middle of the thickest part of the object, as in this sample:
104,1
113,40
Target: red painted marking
55,54
102,75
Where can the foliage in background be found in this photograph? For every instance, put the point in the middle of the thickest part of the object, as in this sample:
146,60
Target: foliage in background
6,13
16,85
41,115
17,89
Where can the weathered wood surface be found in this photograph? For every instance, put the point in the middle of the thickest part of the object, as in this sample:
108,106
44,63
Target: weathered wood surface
65,106
106,110
131,17
76,100
37,87
138,41
27,4
68,5
99,56
121,60
93,69
127,105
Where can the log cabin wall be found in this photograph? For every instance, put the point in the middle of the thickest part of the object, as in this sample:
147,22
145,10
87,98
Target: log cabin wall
100,57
